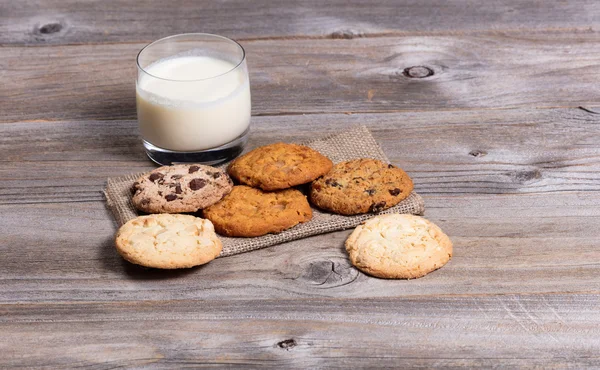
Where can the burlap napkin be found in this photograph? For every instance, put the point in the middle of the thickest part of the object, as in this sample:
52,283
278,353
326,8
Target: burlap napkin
352,144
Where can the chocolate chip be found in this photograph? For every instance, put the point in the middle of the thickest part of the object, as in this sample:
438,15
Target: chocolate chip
370,191
178,189
155,176
332,182
145,201
377,207
391,166
176,177
171,197
216,175
160,193
196,184
135,187
193,169
395,192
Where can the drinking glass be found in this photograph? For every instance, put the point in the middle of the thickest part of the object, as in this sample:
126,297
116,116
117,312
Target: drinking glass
193,99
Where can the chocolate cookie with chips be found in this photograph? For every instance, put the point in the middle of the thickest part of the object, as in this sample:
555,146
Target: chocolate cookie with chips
180,188
360,186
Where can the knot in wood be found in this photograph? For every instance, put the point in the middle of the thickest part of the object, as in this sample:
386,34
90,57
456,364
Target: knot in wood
328,274
477,153
418,72
49,28
527,176
287,344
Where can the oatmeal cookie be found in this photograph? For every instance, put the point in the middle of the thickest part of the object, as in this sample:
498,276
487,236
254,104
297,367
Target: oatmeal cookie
360,186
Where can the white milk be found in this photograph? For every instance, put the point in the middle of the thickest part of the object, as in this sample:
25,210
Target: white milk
187,108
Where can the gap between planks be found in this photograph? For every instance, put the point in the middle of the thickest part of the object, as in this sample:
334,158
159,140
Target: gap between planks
346,35
415,297
588,109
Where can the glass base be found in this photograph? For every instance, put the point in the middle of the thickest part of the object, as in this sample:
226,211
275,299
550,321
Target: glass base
209,157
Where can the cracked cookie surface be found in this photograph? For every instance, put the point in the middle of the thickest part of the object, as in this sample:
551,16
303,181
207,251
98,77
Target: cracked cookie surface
168,241
180,188
360,186
248,212
279,166
396,246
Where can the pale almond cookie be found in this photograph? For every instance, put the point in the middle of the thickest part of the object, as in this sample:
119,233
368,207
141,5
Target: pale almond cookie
398,246
168,241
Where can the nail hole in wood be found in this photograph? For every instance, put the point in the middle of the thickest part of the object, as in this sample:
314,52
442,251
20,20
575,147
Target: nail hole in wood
418,72
50,28
287,344
477,153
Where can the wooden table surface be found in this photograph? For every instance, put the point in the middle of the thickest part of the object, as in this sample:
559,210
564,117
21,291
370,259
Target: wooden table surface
488,105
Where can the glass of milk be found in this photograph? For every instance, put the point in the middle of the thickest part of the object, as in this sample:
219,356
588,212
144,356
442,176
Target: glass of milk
193,99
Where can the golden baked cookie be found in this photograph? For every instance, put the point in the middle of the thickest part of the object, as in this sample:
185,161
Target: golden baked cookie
180,188
360,186
251,212
279,166
396,246
167,241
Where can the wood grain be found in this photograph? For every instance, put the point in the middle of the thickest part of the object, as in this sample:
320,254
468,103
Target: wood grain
499,182
28,22
503,244
549,331
449,152
532,70
490,107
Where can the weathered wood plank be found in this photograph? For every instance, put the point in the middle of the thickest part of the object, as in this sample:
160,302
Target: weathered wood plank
517,190
503,244
450,152
550,331
70,21
361,75
514,232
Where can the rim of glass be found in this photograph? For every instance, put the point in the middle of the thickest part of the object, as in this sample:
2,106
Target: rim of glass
137,59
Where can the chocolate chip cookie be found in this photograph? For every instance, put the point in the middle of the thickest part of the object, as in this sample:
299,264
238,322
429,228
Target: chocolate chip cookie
180,188
168,241
398,246
279,166
251,212
360,186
